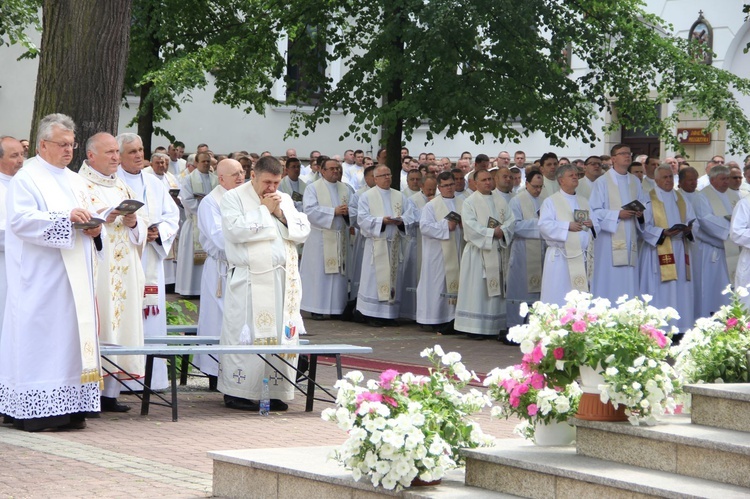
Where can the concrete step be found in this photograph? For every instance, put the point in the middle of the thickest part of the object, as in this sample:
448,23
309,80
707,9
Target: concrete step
518,467
723,405
675,446
307,472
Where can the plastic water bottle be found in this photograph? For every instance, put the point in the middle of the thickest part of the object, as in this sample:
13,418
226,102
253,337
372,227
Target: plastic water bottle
265,399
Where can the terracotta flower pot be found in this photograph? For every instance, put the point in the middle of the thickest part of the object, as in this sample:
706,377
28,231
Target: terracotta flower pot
591,407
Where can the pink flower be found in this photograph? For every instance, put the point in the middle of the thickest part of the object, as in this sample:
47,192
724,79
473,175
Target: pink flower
369,396
537,381
537,355
387,376
522,389
731,322
661,340
558,353
567,318
389,400
532,409
579,326
514,401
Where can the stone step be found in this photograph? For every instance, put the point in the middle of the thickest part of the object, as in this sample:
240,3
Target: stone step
722,405
675,445
307,472
519,467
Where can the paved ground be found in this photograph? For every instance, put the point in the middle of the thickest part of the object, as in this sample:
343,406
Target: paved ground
135,456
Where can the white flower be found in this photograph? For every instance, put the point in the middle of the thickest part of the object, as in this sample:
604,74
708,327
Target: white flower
439,351
355,376
527,346
611,371
742,292
451,358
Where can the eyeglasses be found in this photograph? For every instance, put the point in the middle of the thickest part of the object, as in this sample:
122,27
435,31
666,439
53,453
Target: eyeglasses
63,145
624,154
736,178
383,175
236,175
448,185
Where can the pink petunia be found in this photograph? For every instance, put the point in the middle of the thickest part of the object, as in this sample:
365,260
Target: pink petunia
537,355
389,400
522,389
514,401
537,381
532,409
558,353
579,326
731,322
567,318
387,376
660,338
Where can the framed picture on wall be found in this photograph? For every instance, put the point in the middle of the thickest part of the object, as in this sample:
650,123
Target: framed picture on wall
701,40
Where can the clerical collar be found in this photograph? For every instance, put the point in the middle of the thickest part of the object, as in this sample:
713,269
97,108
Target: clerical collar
97,177
50,166
128,174
384,190
568,195
5,178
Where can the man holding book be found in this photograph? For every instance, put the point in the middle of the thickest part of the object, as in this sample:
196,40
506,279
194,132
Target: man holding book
442,246
120,280
488,228
617,202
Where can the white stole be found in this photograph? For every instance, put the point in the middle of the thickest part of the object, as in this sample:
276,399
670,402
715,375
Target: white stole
449,248
573,252
334,241
490,257
731,250
622,255
533,246
386,263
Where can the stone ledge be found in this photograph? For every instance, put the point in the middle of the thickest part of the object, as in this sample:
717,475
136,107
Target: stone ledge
289,470
732,391
678,429
563,462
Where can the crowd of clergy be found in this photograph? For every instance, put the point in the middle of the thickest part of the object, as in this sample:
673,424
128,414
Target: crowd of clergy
457,247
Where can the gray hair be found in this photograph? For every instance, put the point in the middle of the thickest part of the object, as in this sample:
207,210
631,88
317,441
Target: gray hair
2,138
190,159
50,121
126,138
562,170
161,155
664,166
718,170
268,164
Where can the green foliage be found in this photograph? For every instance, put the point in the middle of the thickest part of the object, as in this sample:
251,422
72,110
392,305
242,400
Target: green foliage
15,17
178,312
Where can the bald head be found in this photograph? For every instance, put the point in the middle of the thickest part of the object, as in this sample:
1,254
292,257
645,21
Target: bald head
103,153
11,155
230,173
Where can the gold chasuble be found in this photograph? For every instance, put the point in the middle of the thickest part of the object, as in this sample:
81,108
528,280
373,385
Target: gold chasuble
667,266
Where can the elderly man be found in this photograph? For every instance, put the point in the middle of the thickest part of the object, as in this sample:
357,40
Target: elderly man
719,255
703,181
503,159
566,225
328,204
162,219
736,181
383,216
488,228
291,184
215,269
49,352
120,280
11,160
261,230
526,250
665,258
616,246
592,168
190,254
442,245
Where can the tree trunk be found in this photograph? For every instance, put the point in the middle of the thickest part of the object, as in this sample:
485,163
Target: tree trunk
82,66
393,132
146,119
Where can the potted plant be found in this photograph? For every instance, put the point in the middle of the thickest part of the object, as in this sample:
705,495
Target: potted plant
406,427
715,349
620,353
544,410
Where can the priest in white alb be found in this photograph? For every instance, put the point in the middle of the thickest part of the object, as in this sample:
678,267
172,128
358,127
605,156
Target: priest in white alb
159,168
488,229
442,246
616,270
329,209
665,260
354,269
739,232
11,160
50,374
261,229
190,254
383,215
291,183
120,281
566,225
718,253
214,280
526,249
413,255
162,219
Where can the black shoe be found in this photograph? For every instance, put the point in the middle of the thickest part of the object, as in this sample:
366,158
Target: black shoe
75,425
317,317
110,404
7,419
240,403
503,337
358,317
93,415
278,405
479,337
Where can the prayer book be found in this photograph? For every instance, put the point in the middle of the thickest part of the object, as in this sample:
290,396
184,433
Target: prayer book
198,195
174,192
634,205
453,217
492,223
296,196
92,223
679,226
129,206
581,215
